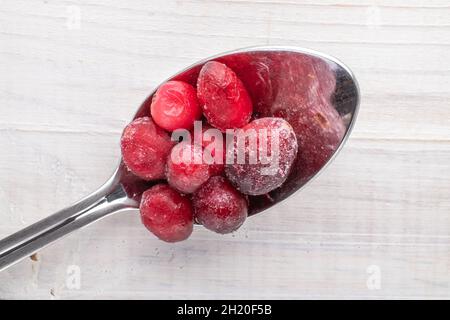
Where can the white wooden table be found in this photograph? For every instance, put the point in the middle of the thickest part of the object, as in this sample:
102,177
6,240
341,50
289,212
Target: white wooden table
376,224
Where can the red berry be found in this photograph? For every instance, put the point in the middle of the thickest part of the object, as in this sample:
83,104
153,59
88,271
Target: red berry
219,207
166,213
268,147
175,106
145,148
186,170
224,99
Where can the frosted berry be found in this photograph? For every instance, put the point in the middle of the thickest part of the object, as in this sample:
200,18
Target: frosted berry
225,101
175,106
219,207
266,159
186,170
166,213
145,148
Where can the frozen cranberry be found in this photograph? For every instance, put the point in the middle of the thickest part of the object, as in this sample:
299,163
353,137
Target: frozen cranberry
145,148
175,106
186,170
263,152
166,213
255,70
219,207
224,99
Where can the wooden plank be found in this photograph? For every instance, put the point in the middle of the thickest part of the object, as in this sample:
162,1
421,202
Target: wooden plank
66,91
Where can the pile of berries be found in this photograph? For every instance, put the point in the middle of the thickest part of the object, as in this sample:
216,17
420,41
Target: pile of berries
207,179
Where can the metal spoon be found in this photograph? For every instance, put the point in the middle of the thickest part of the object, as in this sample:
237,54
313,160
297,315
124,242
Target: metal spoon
273,76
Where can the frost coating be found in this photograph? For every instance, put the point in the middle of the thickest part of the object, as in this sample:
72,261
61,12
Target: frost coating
166,213
219,207
263,163
145,148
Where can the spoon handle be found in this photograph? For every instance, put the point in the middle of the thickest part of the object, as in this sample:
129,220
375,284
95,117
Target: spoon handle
110,198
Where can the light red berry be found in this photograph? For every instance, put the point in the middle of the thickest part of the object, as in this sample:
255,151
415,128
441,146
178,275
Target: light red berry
225,102
175,106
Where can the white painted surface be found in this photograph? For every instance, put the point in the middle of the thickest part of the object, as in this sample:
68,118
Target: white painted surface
69,83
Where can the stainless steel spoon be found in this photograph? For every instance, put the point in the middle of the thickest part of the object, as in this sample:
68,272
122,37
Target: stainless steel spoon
277,76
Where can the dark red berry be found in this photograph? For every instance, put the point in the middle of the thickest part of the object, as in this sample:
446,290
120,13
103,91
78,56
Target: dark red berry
166,213
219,207
145,148
175,106
186,170
263,152
222,96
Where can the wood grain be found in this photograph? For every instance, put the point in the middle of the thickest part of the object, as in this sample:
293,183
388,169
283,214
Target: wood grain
67,90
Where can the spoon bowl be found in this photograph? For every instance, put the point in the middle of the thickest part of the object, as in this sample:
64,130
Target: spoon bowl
314,92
